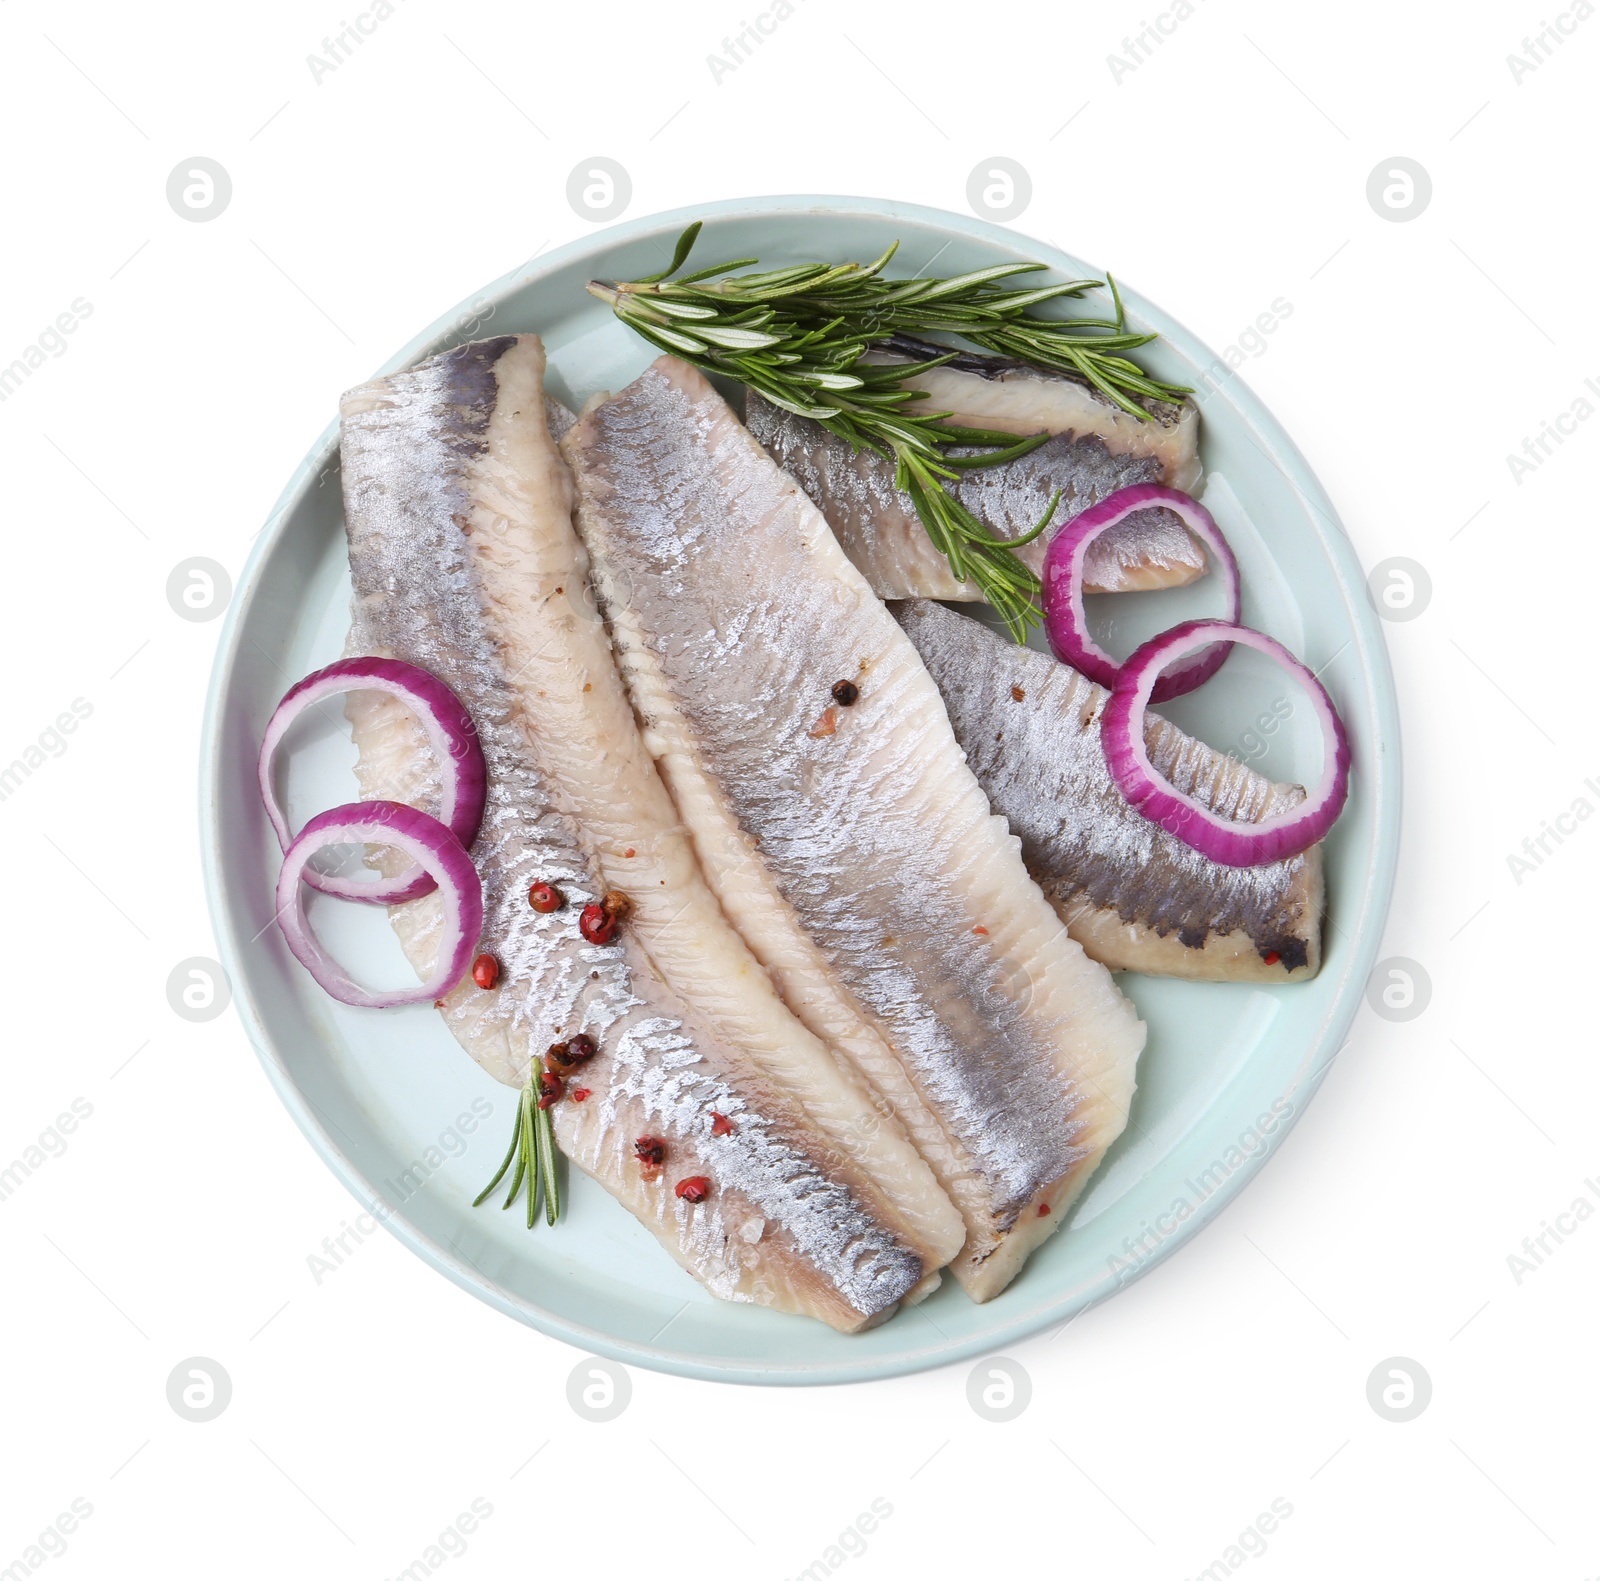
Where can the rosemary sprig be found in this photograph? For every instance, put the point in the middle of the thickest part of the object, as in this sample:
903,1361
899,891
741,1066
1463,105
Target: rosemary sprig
798,336
533,1146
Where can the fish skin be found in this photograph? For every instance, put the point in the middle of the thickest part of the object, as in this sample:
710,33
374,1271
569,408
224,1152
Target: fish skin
1000,392
734,610
450,478
1094,450
1136,897
587,739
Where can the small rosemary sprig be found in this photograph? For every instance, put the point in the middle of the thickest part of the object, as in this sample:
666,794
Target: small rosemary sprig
533,1145
798,336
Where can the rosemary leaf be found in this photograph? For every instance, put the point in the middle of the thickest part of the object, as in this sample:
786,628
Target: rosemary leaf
500,1173
547,1166
530,1145
533,1146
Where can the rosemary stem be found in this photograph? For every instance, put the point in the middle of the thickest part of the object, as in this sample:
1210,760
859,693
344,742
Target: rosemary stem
799,335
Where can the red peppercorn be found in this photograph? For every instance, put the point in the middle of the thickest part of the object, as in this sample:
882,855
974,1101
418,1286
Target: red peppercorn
549,1088
1272,957
578,1094
580,1047
486,971
847,693
595,925
695,1189
1044,1210
546,897
650,1150
721,1125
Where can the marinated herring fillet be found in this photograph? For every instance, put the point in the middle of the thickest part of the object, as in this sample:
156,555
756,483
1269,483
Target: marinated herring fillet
1095,449
590,744
858,828
458,518
1134,896
995,392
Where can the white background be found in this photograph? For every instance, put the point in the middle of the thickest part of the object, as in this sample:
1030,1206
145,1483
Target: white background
1226,171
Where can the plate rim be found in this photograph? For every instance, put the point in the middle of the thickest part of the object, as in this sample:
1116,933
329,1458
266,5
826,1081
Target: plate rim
1369,916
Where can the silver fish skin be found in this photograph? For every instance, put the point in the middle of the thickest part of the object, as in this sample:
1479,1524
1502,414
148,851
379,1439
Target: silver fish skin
450,479
734,611
1000,392
1134,896
1095,449
585,735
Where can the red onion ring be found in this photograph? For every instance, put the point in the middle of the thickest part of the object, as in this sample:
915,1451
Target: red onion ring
1223,840
1065,622
450,732
433,847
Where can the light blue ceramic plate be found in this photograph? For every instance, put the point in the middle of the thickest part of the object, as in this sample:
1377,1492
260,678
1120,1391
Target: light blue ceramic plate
395,1107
